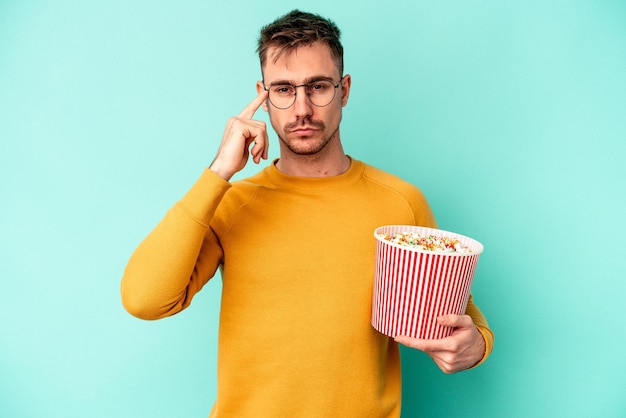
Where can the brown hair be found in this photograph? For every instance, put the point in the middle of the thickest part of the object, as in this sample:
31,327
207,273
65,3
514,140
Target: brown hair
296,29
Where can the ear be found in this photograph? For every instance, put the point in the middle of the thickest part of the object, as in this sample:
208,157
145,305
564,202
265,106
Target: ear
346,82
259,89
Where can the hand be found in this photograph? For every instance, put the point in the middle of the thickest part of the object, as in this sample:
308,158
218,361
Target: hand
460,351
240,132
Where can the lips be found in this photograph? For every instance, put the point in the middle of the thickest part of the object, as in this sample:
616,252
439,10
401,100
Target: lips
305,128
305,131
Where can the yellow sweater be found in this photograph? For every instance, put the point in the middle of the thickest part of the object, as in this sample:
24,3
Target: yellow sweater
297,259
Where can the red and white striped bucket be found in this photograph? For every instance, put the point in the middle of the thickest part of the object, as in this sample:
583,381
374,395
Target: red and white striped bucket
413,287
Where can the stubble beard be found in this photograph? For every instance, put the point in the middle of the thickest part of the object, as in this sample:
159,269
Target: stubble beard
307,146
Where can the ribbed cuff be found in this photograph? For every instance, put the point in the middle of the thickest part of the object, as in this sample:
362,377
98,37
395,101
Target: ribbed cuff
201,201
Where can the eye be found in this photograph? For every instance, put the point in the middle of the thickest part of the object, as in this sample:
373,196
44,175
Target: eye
283,90
319,87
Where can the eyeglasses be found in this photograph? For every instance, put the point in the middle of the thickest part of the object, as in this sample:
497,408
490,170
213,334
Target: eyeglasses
320,93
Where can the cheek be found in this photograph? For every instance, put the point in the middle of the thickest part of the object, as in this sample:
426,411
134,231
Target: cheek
275,120
333,116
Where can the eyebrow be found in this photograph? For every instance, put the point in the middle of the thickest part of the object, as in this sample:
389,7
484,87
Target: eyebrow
307,80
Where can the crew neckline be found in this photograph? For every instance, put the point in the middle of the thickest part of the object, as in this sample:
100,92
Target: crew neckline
282,180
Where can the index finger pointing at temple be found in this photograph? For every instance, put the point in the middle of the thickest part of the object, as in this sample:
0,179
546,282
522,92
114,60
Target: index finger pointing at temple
248,111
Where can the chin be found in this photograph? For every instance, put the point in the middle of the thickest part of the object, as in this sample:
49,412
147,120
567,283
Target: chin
306,146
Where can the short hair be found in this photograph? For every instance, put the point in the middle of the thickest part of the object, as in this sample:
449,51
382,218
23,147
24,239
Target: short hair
297,29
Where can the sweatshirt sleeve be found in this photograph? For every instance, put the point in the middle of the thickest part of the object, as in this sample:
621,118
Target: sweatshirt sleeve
483,327
179,255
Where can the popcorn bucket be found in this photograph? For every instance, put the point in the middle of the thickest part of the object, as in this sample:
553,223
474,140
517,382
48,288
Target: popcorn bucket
413,287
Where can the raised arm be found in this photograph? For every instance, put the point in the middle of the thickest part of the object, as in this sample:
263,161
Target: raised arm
182,253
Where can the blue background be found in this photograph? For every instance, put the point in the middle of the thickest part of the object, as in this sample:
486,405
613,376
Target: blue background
509,115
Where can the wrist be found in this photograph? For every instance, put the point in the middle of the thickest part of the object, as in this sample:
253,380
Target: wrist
220,170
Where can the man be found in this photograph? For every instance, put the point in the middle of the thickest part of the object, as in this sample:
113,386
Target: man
296,250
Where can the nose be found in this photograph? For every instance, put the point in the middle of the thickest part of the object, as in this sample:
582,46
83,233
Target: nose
302,106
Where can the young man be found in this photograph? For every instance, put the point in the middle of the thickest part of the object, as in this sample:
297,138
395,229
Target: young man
295,247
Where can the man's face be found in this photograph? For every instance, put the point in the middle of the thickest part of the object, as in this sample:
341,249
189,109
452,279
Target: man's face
303,128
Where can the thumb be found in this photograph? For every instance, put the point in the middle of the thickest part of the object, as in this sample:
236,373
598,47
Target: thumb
451,320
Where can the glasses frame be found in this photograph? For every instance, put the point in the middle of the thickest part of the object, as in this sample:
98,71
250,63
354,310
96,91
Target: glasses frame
305,85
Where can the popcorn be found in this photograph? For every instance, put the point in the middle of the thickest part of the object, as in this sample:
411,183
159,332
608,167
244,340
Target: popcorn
420,274
426,242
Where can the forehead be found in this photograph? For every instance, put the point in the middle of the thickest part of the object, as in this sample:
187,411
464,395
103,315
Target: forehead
300,64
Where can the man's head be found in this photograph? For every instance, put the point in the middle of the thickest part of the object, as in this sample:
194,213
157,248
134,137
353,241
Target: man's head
302,65
297,29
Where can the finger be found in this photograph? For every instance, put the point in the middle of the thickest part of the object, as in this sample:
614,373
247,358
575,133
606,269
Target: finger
257,152
452,320
263,147
252,107
261,143
418,344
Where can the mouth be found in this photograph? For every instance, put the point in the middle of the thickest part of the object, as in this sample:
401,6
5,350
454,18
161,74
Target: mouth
304,131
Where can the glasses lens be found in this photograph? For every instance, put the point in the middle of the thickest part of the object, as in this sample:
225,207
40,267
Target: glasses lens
321,93
282,95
